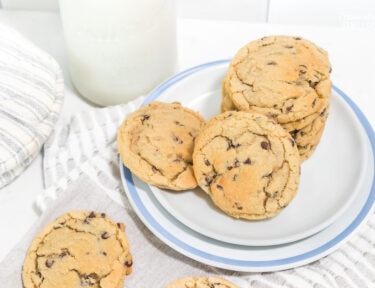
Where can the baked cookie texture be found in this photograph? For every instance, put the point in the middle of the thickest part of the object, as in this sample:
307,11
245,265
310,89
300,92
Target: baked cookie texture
247,163
78,249
286,78
156,143
201,282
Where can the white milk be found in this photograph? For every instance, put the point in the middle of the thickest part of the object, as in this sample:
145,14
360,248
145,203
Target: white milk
119,49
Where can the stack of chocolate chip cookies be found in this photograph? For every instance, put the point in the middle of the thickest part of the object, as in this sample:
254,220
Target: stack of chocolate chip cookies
285,78
275,101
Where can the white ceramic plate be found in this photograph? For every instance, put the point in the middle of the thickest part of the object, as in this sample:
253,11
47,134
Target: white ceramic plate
336,188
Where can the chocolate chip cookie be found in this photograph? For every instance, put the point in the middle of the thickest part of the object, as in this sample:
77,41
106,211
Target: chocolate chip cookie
78,249
201,282
247,163
286,78
282,76
156,143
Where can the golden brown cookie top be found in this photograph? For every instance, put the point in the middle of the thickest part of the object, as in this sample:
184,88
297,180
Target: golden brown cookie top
247,163
284,77
78,249
156,144
201,282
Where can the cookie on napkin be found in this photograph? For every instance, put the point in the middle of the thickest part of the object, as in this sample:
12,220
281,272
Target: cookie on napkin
78,249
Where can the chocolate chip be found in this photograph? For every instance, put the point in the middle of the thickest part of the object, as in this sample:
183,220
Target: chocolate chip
297,38
312,84
288,46
144,118
177,139
178,123
229,168
103,215
238,206
234,178
128,263
294,134
313,103
49,263
264,145
272,63
322,113
293,142
232,145
63,253
247,161
105,235
289,108
208,180
236,163
218,186
91,215
103,253
121,226
207,162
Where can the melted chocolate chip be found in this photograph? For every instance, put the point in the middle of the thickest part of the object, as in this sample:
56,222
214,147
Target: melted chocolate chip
313,103
264,145
144,118
105,235
207,162
128,263
247,161
208,181
289,108
178,123
218,186
322,113
177,139
293,142
238,206
271,63
49,263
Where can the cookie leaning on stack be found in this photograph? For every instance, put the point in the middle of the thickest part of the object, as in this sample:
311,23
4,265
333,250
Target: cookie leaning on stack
247,163
156,143
286,78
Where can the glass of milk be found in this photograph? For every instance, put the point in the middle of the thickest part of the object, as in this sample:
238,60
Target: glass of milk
119,49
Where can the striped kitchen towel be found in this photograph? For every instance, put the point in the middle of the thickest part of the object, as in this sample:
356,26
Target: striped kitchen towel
31,98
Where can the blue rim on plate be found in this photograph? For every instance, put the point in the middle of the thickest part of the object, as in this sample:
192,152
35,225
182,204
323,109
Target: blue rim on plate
324,248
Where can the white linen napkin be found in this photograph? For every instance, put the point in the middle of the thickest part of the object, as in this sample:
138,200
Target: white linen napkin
81,157
31,99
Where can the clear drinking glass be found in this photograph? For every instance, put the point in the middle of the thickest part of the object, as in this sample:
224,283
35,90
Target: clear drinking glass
119,49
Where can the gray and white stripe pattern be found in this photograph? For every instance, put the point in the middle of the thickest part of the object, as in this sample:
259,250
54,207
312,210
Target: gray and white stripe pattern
31,98
87,145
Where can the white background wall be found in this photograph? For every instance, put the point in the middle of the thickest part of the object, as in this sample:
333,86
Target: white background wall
356,13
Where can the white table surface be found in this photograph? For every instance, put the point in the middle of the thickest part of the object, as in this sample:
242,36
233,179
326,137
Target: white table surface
351,53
